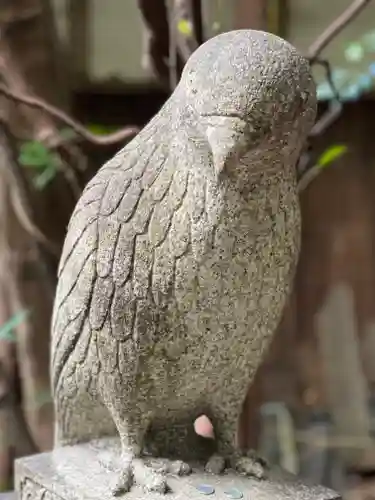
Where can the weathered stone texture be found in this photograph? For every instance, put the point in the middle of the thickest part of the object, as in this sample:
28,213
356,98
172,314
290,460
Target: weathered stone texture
180,255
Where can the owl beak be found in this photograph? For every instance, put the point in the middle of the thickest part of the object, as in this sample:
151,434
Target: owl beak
227,139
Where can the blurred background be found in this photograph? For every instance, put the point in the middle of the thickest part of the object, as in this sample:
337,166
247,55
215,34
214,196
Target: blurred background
78,78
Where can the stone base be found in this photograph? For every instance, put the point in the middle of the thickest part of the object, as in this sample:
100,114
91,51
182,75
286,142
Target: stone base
89,471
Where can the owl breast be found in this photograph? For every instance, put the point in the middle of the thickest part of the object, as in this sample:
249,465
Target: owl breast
230,304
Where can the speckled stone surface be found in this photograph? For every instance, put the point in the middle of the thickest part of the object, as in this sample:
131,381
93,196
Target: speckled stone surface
89,471
180,255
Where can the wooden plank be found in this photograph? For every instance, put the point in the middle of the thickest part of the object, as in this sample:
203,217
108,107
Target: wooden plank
346,387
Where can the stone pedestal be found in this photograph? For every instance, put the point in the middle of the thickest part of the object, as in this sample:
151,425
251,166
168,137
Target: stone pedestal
89,471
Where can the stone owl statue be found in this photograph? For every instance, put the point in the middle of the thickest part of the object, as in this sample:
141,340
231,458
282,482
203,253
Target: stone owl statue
179,258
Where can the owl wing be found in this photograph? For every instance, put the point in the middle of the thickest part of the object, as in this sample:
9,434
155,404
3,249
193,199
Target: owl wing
132,242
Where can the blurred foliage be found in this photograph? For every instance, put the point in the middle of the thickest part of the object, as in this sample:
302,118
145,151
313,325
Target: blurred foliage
8,328
184,27
45,162
331,154
101,129
36,155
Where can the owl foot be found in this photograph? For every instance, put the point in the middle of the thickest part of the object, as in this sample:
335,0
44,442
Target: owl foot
136,471
216,464
249,464
125,481
150,474
165,466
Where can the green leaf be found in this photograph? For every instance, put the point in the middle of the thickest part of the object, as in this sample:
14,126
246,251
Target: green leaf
41,181
7,329
36,155
101,129
184,27
33,154
331,154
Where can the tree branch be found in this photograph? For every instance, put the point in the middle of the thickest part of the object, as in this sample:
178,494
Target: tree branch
20,200
335,27
39,126
335,109
34,102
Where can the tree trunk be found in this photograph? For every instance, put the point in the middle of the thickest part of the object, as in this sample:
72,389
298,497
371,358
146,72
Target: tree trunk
15,439
28,65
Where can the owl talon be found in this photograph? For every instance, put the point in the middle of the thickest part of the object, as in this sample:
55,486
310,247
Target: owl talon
174,467
215,465
125,481
250,464
150,478
179,468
